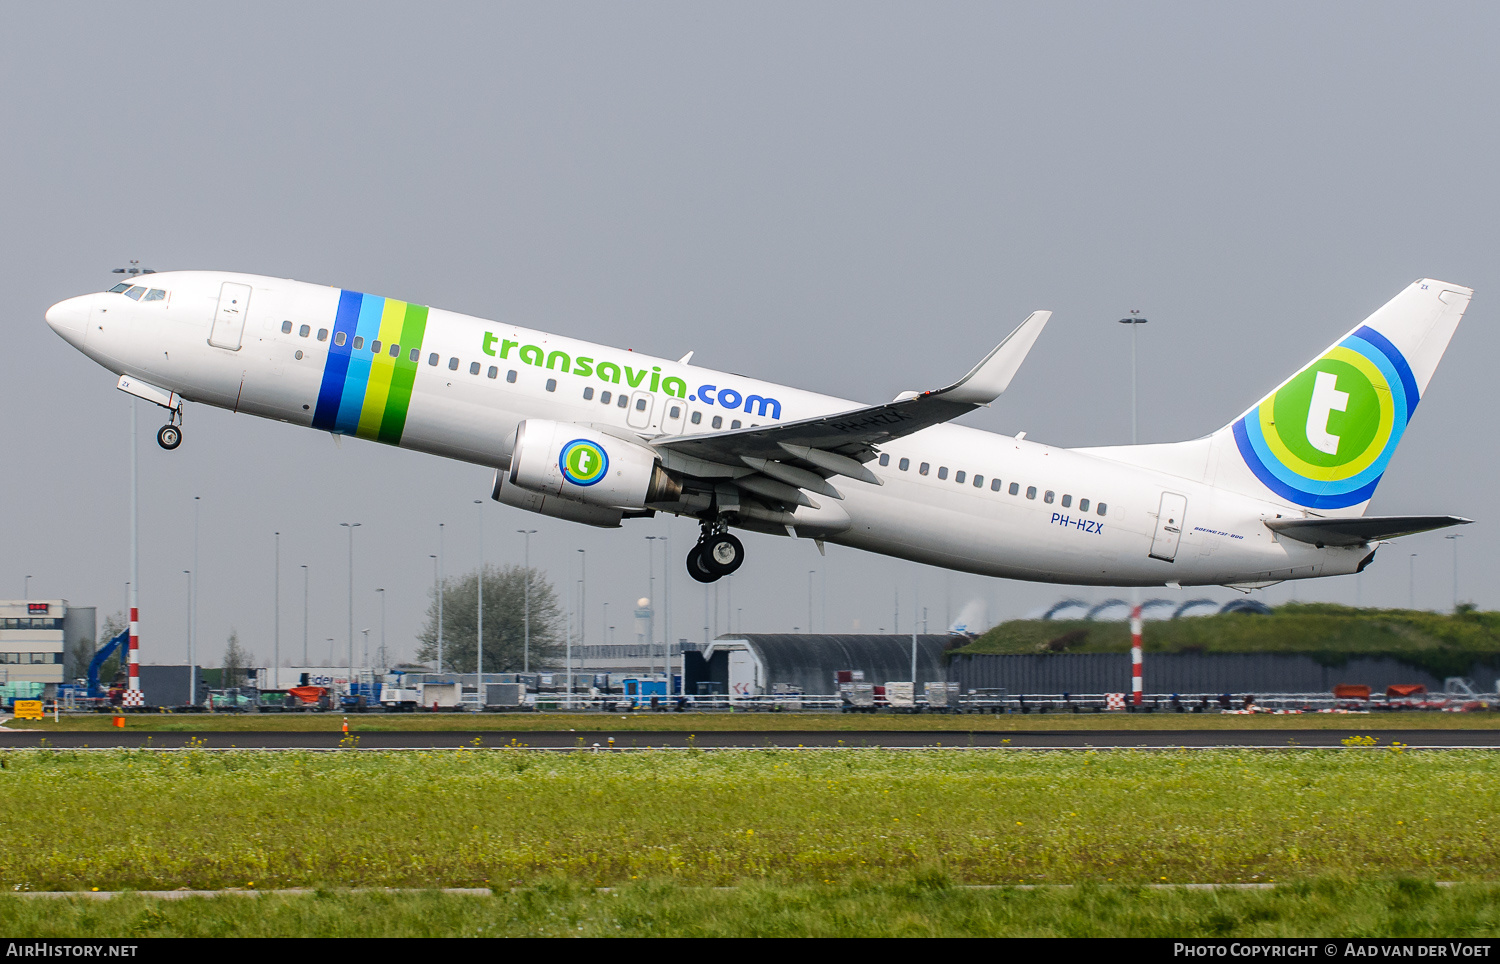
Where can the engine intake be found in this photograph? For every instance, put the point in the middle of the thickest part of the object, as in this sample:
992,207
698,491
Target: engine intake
583,465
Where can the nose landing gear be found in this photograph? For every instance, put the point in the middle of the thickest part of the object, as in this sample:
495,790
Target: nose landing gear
716,555
169,436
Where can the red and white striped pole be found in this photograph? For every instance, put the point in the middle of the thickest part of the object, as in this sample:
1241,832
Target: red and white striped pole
1135,654
134,682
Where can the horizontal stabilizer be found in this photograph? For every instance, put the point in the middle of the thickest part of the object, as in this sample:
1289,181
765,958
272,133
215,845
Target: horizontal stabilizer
1360,530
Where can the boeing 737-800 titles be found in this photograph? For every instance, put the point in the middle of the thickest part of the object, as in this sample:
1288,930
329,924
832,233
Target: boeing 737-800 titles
597,435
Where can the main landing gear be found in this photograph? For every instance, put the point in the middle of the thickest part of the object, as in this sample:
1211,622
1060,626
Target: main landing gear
716,555
169,436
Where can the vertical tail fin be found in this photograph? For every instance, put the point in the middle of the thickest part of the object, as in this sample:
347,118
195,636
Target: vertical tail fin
1323,438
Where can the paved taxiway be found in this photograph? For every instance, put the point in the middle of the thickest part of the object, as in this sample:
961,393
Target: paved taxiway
626,740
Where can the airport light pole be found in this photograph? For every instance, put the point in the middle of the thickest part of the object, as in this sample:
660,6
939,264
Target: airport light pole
193,628
276,646
441,587
382,623
651,595
304,615
191,671
1411,581
437,594
1136,684
526,535
479,649
1453,538
28,588
583,608
810,574
351,526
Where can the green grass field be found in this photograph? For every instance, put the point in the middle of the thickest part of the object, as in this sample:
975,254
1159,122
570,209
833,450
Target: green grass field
151,821
769,722
920,907
1442,644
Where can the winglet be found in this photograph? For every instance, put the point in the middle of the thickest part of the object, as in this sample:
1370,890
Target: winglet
992,376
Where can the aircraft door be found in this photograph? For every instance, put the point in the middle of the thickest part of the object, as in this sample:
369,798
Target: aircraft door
230,315
639,415
1168,526
674,416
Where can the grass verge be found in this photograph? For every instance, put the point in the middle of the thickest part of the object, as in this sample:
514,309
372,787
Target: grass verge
925,907
151,821
766,722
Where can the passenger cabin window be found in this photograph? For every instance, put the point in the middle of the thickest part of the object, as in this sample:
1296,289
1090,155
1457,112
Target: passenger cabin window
1031,492
884,460
453,364
340,338
1102,508
735,424
155,294
474,368
359,342
1048,496
640,403
304,331
676,412
718,422
286,327
605,397
375,347
697,418
994,485
923,468
1083,505
1015,488
978,481
510,376
1067,501
588,394
493,372
942,471
395,351
432,359
904,464
551,384
959,476
322,334
416,353
622,401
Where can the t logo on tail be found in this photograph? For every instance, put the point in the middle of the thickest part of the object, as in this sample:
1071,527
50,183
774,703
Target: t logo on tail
1326,399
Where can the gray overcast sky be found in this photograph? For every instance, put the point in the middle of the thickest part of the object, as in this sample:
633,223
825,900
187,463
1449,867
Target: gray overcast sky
857,198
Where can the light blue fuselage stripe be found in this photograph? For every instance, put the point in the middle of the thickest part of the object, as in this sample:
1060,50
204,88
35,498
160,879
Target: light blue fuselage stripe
358,376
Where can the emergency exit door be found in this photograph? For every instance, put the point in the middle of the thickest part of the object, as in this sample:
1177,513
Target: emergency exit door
1168,526
229,316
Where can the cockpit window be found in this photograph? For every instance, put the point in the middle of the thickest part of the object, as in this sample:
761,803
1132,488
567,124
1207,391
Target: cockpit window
155,294
122,286
134,292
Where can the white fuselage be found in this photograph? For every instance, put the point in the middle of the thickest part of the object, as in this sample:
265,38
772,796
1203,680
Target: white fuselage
473,381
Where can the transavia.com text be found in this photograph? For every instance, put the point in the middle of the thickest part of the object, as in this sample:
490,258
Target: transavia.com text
1339,949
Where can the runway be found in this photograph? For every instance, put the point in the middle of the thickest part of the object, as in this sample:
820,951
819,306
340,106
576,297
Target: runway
684,739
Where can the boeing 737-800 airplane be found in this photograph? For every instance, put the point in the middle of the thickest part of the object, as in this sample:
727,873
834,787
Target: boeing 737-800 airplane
597,435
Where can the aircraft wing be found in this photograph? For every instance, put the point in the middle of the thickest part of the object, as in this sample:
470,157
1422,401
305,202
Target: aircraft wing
838,444
1361,530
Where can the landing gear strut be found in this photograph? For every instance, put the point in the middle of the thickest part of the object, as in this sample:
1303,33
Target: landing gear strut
169,436
716,555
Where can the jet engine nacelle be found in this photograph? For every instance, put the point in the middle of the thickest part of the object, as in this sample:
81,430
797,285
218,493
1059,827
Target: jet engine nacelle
561,458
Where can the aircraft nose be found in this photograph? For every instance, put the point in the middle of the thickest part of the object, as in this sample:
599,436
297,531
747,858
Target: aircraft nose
69,318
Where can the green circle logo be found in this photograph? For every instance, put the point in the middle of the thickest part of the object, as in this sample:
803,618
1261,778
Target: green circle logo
1329,415
583,462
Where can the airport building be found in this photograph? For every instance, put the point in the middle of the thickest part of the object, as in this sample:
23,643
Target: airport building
35,636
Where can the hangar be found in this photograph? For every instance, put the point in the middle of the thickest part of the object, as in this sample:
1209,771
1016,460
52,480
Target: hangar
754,664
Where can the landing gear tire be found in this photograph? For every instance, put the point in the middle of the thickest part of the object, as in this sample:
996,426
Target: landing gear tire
722,554
695,566
169,437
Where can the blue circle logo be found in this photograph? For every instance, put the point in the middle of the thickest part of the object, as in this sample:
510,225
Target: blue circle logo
583,462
